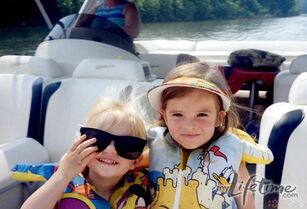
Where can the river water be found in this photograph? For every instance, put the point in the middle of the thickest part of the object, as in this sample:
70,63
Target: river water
25,40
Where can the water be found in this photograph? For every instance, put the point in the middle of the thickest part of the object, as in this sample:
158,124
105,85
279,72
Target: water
25,40
290,28
21,40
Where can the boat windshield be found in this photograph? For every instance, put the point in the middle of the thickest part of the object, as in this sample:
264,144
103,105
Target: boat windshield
91,27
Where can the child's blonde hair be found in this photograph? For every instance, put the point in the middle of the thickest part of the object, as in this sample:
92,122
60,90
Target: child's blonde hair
201,71
107,113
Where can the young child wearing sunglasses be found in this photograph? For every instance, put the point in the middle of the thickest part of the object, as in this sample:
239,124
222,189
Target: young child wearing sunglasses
94,172
195,162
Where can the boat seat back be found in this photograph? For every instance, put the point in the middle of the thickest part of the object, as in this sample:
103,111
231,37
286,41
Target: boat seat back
161,64
283,129
30,65
164,55
66,104
285,78
111,69
20,151
21,83
19,106
68,53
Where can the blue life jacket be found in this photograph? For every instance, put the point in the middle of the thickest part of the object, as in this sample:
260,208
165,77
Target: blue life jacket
131,192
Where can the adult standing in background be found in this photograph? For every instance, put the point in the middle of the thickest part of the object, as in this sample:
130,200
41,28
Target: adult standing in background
122,13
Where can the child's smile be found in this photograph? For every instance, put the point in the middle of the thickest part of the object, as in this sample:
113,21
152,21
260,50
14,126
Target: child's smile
107,161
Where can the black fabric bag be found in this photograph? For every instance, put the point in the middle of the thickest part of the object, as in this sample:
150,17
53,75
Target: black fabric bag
255,58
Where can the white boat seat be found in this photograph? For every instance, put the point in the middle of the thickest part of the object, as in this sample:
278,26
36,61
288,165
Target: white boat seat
19,106
110,69
21,84
161,64
29,65
26,150
68,53
67,102
283,128
285,78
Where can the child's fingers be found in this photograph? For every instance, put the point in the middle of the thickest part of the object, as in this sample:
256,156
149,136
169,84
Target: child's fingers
85,144
88,158
87,151
74,162
77,142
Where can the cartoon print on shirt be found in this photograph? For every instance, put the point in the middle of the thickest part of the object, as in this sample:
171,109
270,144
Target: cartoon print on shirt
224,179
136,196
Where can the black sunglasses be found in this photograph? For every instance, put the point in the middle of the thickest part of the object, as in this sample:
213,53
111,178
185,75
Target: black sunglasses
128,147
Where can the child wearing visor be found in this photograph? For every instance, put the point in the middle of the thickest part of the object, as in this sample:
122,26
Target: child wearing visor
196,160
94,172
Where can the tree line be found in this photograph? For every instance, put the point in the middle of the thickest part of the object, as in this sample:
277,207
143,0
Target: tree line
303,4
27,13
195,10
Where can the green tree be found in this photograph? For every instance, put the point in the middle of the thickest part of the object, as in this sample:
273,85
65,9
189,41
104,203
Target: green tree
281,7
179,10
166,10
190,9
204,9
225,9
303,5
287,7
156,10
69,6
151,10
250,8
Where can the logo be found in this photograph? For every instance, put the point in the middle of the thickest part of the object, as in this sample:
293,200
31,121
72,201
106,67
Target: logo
101,66
261,186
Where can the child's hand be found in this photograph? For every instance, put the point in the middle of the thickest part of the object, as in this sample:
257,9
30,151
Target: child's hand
77,157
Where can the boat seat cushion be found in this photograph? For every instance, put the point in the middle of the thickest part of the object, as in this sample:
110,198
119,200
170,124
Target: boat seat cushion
110,69
160,64
283,128
299,64
285,78
70,52
23,150
19,106
30,65
298,91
